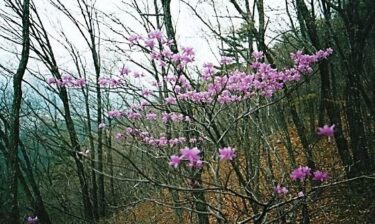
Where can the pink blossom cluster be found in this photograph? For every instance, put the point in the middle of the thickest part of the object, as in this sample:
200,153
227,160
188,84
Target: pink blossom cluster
134,39
115,114
238,86
32,220
178,83
124,71
320,176
174,117
159,49
326,130
208,71
192,155
183,59
280,190
227,153
67,81
146,138
110,82
163,141
303,62
302,172
134,115
226,60
151,116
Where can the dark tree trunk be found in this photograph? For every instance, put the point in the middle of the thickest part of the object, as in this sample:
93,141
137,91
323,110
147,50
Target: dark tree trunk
327,100
41,210
14,216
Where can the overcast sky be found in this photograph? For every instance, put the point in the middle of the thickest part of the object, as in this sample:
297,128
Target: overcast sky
190,31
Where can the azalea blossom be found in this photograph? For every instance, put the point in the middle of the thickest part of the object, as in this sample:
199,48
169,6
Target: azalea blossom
155,34
280,190
225,60
320,176
31,220
227,153
300,173
124,71
119,136
151,116
191,154
196,164
170,100
114,114
174,161
326,130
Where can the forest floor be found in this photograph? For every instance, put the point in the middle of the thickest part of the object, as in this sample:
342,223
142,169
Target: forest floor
348,203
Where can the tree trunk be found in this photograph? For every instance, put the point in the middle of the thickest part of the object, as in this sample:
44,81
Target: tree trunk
14,216
327,101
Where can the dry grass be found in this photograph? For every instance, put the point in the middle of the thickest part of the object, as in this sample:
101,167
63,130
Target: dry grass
333,205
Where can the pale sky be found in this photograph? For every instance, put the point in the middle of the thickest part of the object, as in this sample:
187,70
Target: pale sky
190,31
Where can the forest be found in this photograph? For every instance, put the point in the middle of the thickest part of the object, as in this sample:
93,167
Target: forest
187,111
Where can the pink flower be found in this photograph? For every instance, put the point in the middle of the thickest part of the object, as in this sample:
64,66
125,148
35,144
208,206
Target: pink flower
191,154
225,60
124,71
146,92
196,164
257,55
133,39
114,114
300,173
51,80
188,51
320,176
151,116
79,83
102,125
119,136
176,117
129,130
31,220
174,161
155,34
165,117
280,190
167,52
170,100
134,115
150,43
208,71
301,194
326,131
227,153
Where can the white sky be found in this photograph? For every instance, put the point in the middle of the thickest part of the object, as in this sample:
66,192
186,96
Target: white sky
190,31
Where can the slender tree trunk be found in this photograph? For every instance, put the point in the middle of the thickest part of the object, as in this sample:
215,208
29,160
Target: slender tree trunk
14,216
94,186
100,136
327,99
301,131
76,150
199,199
41,210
